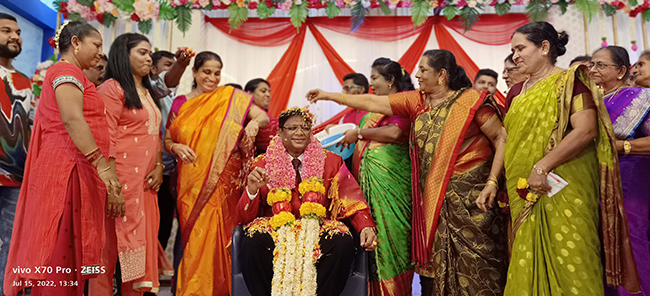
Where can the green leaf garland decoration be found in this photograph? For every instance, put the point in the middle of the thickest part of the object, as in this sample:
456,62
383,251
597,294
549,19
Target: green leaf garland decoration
299,14
184,19
646,15
420,12
502,8
358,16
384,7
608,9
145,26
633,3
167,12
89,3
74,16
108,19
469,16
36,89
263,11
332,10
537,10
237,16
450,11
563,6
124,5
588,7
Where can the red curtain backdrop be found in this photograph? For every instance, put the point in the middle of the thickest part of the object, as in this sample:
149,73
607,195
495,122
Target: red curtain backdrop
271,32
446,41
268,32
284,74
412,55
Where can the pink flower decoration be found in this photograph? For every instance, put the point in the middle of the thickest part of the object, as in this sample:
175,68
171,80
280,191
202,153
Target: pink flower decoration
280,169
461,3
634,47
286,5
604,44
340,3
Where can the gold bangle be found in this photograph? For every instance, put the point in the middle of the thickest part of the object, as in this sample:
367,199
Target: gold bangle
104,170
91,151
160,164
490,182
344,100
493,178
627,147
171,148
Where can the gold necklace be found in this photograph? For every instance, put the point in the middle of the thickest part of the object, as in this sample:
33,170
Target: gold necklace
609,100
525,86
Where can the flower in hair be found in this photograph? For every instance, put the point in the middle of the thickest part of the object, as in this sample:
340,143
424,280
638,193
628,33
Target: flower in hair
304,112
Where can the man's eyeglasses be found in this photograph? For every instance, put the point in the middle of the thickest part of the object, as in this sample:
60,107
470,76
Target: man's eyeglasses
349,88
293,129
600,65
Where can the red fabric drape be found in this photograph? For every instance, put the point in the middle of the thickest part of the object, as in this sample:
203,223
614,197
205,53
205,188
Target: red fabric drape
266,33
413,55
284,74
339,66
490,29
446,41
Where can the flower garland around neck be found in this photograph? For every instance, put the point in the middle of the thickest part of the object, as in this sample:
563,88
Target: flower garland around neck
296,245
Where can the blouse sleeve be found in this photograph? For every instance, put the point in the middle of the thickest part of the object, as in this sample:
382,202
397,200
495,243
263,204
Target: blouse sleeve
113,96
406,104
73,76
580,102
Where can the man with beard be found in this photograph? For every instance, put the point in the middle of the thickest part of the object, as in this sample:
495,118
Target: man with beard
15,103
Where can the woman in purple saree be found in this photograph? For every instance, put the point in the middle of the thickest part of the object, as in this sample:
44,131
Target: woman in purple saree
628,109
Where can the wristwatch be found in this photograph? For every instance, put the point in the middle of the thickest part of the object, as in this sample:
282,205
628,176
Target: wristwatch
359,136
539,171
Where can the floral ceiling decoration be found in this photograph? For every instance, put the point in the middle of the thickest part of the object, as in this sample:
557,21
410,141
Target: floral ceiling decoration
466,11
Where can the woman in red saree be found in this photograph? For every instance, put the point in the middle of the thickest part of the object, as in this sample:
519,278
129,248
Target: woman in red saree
67,179
211,173
457,141
133,121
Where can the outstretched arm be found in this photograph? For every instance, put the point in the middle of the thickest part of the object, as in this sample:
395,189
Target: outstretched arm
372,103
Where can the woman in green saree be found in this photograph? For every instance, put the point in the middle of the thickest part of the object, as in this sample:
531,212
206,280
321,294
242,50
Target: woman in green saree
557,123
456,147
382,166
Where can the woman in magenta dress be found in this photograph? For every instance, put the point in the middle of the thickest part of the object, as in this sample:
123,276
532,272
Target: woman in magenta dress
133,121
67,179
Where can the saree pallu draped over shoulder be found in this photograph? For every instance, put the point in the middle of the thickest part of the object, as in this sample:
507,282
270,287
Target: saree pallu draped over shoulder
462,247
557,247
208,189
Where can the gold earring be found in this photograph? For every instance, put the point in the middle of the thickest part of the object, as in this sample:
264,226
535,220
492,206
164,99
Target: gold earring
76,50
439,82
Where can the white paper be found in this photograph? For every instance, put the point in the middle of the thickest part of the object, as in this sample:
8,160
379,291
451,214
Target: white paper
556,183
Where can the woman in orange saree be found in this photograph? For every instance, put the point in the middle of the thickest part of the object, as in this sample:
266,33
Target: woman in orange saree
207,133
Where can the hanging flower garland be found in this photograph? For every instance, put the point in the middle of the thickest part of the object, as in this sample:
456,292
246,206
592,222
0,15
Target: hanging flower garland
296,244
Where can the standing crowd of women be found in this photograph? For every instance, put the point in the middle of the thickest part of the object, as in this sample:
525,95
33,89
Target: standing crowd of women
431,163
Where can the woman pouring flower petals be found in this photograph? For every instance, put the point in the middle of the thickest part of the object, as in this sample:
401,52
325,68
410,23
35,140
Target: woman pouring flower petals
457,141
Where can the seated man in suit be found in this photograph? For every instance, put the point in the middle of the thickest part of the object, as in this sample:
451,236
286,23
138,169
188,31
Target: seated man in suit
297,193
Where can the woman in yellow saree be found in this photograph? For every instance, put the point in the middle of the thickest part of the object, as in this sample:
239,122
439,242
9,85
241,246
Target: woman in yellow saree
207,133
551,125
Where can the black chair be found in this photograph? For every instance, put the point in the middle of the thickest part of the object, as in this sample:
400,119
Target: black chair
357,284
